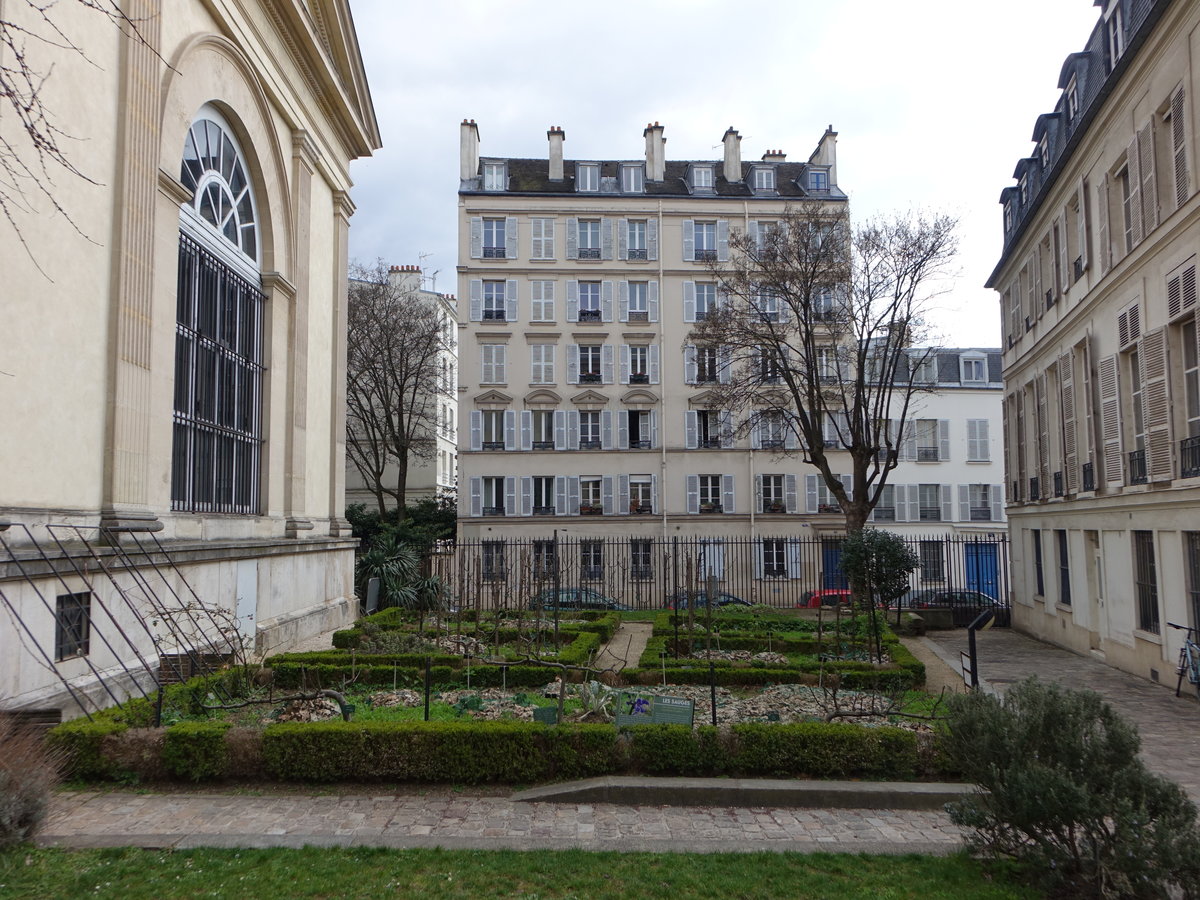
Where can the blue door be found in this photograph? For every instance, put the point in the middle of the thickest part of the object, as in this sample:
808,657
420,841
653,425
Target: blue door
831,564
982,569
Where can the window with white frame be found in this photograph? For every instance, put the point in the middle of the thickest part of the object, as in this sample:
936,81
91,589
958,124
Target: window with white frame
774,558
708,428
1043,151
929,499
706,240
1191,389
543,495
587,176
636,236
72,624
590,501
706,299
1115,31
591,559
638,422
589,430
765,236
978,440
772,429
493,495
933,561
545,559
764,179
1072,100
885,509
589,364
641,494
589,238
773,499
492,358
641,559
973,369
702,177
979,499
493,238
492,559
639,301
541,363
926,431
494,301
541,300
494,177
492,429
708,365
589,301
543,429
633,179
924,368
818,179
710,493
770,367
766,301
639,364
827,365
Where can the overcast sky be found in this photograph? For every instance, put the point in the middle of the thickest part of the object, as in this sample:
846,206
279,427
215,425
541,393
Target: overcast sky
934,102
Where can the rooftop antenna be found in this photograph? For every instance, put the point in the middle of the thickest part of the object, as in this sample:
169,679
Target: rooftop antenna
432,279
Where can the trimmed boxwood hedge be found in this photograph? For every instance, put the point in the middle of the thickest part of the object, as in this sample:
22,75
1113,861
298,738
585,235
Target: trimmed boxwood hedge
502,752
602,623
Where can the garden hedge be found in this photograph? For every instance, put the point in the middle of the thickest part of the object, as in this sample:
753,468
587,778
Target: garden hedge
493,752
603,623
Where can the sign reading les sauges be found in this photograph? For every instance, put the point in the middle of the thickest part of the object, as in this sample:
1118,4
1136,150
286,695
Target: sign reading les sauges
651,709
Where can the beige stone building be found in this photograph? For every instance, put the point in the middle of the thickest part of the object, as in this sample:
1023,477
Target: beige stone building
1097,286
585,410
173,353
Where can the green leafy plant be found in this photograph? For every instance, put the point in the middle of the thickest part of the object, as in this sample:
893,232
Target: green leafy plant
1065,792
877,564
196,751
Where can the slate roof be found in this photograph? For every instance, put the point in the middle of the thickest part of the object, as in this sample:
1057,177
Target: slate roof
532,177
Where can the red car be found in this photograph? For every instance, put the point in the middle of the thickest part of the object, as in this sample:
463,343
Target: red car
825,597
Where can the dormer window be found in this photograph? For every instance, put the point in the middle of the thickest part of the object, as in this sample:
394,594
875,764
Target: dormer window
702,178
818,180
1008,217
1043,152
633,179
973,368
1072,100
1023,187
924,368
1115,29
587,176
494,178
764,179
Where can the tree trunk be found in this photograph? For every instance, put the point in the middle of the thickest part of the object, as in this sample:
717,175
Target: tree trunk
401,486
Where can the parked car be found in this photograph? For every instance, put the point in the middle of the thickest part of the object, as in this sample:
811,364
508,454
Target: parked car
683,598
575,598
928,598
825,597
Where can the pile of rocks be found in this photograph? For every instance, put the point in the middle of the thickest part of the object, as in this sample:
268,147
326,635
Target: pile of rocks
741,656
319,710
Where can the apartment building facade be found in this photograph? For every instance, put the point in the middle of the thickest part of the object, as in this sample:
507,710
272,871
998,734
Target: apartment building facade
1098,297
435,474
586,408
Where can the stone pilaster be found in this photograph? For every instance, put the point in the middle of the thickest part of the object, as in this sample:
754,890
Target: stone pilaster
343,209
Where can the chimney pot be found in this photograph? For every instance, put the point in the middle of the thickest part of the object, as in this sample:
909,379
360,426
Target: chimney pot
468,150
556,137
733,156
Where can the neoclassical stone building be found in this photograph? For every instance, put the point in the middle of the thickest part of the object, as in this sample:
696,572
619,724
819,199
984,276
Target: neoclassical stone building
173,350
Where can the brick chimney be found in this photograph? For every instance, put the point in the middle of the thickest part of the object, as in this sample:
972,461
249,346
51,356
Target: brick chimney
406,279
733,156
655,152
468,149
556,136
775,156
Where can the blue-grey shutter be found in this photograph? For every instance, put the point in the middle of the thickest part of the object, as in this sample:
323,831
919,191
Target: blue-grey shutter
724,364
622,495
476,300
654,494
947,493
653,430
510,429
623,302
943,439
964,503
510,495
572,238
476,484
624,364
752,234
756,432
689,240
727,498
655,363
623,240
510,237
606,495
476,237
572,301
996,496
689,301
560,429
723,240
790,439
606,301
607,364
810,493
759,551
562,503
476,430
622,429
606,429
908,442
511,312
526,429
725,423
572,430
606,242
526,495
794,566
572,364
848,485
912,502
789,493
652,239
691,430
652,306
693,494
573,495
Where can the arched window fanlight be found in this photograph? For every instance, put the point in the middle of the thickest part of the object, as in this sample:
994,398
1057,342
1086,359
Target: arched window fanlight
213,171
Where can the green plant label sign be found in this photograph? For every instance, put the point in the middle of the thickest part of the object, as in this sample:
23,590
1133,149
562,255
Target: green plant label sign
651,709
546,715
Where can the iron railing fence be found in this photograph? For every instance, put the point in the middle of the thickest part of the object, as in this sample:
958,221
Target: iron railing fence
650,573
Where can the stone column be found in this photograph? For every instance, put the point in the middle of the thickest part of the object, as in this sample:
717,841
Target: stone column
343,209
125,503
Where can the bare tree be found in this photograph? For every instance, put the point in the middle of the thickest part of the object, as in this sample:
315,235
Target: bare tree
395,347
811,342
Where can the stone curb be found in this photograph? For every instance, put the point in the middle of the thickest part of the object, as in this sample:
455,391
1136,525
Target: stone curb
750,792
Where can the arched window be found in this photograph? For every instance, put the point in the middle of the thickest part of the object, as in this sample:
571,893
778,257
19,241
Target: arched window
217,441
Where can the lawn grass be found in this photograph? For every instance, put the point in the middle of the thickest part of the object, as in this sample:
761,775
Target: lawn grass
131,874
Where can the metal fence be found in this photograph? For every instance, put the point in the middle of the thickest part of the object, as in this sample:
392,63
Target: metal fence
649,573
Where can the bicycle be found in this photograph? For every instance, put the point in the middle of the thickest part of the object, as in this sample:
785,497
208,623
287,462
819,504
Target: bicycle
1189,659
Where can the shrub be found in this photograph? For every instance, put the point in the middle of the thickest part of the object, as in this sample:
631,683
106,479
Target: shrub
677,750
81,743
824,750
196,750
29,771
1067,793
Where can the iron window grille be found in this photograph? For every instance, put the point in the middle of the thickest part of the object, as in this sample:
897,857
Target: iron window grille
1058,484
72,624
1088,476
1189,457
1035,492
1137,467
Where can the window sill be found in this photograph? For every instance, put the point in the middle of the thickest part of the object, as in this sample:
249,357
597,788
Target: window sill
1148,636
